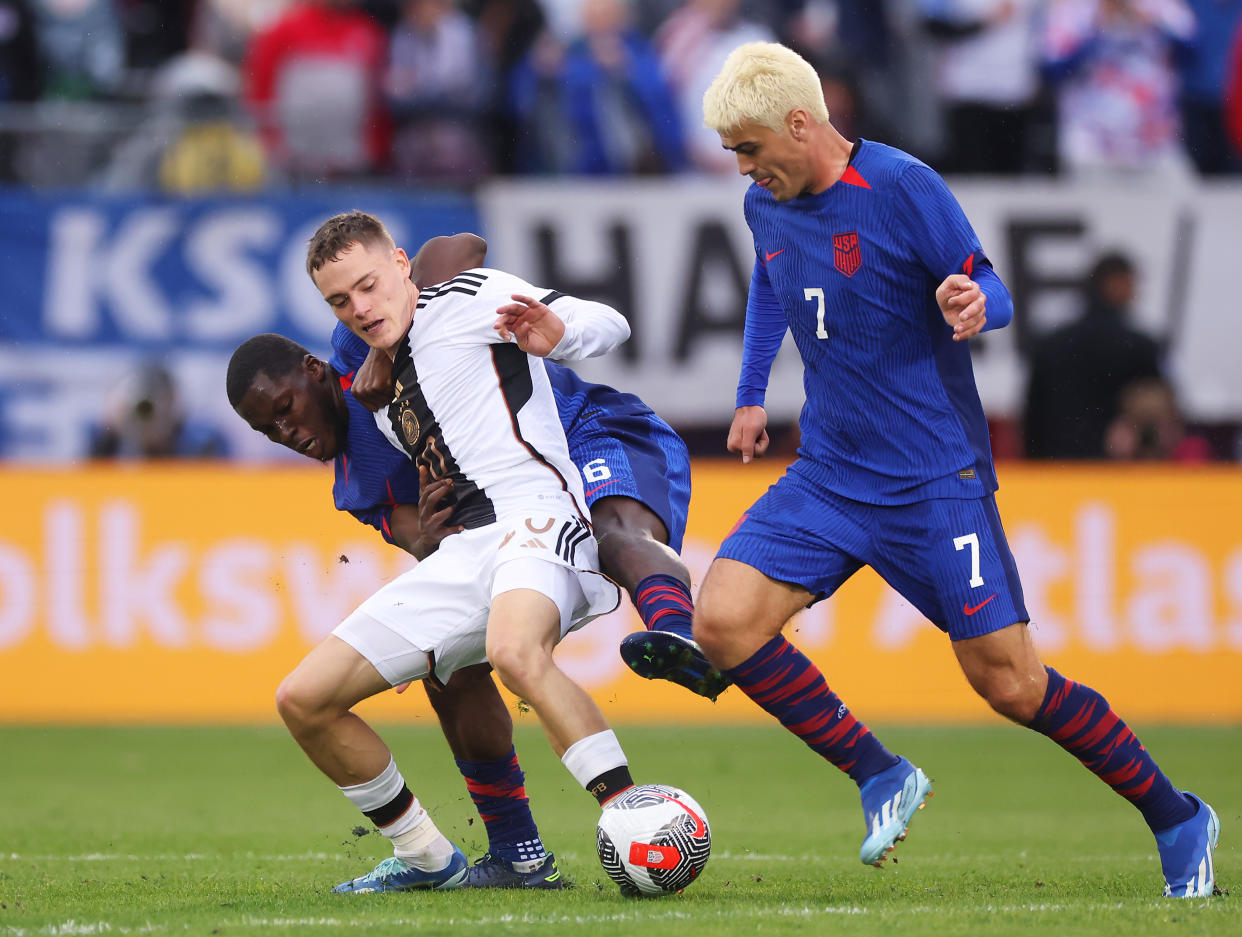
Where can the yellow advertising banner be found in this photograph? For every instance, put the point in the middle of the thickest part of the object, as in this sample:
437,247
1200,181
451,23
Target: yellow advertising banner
184,593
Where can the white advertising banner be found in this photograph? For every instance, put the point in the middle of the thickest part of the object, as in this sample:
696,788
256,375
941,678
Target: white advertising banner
675,256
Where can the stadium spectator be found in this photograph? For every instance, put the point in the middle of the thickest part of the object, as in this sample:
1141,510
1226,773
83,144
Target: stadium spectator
196,137
82,48
693,43
1233,95
1203,74
227,27
1149,427
507,31
437,84
154,30
314,79
987,79
1078,371
144,418
1111,63
601,105
20,68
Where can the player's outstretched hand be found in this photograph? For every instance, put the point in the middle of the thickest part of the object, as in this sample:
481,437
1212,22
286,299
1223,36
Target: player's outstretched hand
535,327
373,385
749,435
963,304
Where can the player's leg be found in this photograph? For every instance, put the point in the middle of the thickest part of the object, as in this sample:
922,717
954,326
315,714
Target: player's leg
315,701
980,604
636,475
633,551
532,607
787,550
738,623
479,731
1005,670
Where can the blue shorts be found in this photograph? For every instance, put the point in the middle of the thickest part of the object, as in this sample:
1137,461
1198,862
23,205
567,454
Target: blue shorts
948,557
634,455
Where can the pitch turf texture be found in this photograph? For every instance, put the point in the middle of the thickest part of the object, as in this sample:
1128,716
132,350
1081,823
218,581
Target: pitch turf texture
230,831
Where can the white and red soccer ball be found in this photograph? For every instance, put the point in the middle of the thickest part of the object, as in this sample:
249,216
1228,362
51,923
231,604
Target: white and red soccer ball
653,839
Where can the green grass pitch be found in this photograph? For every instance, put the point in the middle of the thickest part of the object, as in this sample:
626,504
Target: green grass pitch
230,831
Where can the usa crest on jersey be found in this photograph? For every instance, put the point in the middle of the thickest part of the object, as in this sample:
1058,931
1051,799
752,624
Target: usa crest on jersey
846,253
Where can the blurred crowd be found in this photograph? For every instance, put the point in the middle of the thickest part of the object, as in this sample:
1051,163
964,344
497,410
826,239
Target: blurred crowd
189,95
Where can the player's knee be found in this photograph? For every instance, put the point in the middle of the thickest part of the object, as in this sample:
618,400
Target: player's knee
299,706
713,629
518,665
1011,698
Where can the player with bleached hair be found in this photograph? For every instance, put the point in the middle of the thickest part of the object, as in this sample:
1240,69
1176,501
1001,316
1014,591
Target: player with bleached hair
864,254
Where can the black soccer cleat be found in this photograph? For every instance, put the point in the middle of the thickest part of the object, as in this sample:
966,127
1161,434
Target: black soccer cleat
663,655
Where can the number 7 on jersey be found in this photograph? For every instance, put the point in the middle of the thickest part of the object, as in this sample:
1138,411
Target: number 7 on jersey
817,293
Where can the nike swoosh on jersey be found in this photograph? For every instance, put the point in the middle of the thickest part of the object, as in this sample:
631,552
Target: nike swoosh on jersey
971,609
597,488
768,257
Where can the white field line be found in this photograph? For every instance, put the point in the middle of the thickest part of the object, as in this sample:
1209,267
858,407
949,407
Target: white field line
719,855
74,928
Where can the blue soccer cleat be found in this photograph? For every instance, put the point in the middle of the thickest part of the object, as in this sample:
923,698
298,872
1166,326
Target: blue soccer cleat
490,872
663,655
889,800
1186,853
394,874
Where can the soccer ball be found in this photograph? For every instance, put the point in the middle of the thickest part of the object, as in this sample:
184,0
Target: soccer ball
653,839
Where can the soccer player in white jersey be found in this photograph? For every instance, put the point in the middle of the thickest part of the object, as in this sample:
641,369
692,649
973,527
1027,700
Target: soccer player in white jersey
472,406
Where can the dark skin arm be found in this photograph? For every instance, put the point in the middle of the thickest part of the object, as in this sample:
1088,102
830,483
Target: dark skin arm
419,529
439,259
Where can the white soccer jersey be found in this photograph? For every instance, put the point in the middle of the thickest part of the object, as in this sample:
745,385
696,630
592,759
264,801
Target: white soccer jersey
474,407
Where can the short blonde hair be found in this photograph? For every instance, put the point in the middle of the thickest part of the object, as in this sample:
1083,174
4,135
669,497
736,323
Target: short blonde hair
763,82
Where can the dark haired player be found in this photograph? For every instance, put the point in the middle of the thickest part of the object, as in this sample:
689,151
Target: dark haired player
864,254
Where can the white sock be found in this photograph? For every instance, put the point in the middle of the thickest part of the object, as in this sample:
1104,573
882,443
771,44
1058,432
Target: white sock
414,835
419,842
590,757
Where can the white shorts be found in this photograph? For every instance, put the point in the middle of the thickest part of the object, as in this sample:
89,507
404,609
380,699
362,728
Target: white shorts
432,620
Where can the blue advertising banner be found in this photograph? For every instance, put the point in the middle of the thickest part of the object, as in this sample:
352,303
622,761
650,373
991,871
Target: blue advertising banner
93,286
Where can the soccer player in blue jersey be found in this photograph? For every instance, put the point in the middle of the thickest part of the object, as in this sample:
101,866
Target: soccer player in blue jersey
864,254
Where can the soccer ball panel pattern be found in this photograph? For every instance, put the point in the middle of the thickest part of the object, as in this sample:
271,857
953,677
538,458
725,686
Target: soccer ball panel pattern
653,839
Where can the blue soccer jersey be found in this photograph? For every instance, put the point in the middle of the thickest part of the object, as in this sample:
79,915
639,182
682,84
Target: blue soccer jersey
618,443
892,414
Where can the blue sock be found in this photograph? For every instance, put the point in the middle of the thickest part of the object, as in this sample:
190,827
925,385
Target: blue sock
1080,720
664,604
498,789
783,681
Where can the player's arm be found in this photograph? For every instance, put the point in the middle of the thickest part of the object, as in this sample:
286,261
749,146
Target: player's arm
761,340
575,329
442,258
970,295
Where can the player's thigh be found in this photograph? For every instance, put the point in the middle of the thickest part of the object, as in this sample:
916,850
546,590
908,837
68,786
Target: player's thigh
532,608
431,620
737,598
950,558
639,457
798,534
333,675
